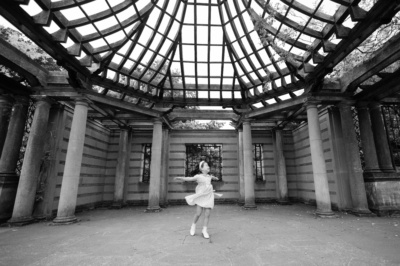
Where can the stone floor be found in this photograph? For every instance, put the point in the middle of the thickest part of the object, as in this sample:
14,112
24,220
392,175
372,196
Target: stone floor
271,235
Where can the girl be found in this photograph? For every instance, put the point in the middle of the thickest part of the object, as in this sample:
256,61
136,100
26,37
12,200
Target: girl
204,197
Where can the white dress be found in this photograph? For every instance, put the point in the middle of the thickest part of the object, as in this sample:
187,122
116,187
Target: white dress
204,196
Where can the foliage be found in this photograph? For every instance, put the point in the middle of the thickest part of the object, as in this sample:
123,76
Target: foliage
366,50
22,43
211,153
362,53
194,124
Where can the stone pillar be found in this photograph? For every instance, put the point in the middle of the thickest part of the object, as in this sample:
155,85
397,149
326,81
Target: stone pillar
280,168
318,163
339,162
25,199
367,141
48,172
164,169
249,195
241,168
352,153
155,169
10,156
5,111
380,138
72,168
121,172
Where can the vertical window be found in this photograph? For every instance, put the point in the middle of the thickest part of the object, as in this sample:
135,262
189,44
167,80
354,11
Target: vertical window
211,153
146,149
258,158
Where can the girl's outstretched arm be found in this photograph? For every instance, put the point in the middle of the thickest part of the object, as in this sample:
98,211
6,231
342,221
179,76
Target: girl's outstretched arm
214,178
194,178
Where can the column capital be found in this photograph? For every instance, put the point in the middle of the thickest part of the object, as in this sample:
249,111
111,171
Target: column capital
5,99
362,105
39,100
21,99
374,105
246,121
127,128
157,121
82,100
311,102
277,128
346,103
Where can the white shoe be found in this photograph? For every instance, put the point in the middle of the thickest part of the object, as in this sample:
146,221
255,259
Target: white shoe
193,230
205,234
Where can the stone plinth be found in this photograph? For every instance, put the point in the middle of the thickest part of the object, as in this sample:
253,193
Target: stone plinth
384,197
8,191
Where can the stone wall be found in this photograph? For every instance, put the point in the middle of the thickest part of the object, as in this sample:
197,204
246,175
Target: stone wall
136,192
265,191
93,168
303,175
229,187
101,152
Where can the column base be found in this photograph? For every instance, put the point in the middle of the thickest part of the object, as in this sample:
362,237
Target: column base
40,217
21,221
153,209
362,213
241,202
65,220
8,192
370,176
116,205
326,214
283,202
387,213
249,207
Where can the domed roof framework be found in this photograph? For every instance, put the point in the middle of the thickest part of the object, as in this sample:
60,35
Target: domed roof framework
156,55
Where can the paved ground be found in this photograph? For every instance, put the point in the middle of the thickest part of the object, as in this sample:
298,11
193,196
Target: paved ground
271,235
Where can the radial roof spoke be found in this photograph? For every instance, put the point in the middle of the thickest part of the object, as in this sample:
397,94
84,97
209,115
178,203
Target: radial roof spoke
239,52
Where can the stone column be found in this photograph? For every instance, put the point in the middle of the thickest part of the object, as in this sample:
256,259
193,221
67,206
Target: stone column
121,172
367,140
10,156
49,169
5,111
318,162
357,186
72,168
280,167
155,169
339,162
241,168
380,138
249,195
164,169
25,199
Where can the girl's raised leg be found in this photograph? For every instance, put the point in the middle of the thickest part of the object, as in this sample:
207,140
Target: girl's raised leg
205,223
199,211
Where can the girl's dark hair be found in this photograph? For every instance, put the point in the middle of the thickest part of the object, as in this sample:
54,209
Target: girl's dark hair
201,164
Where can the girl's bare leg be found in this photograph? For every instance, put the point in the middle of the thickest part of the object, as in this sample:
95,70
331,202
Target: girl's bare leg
205,223
198,213
206,217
